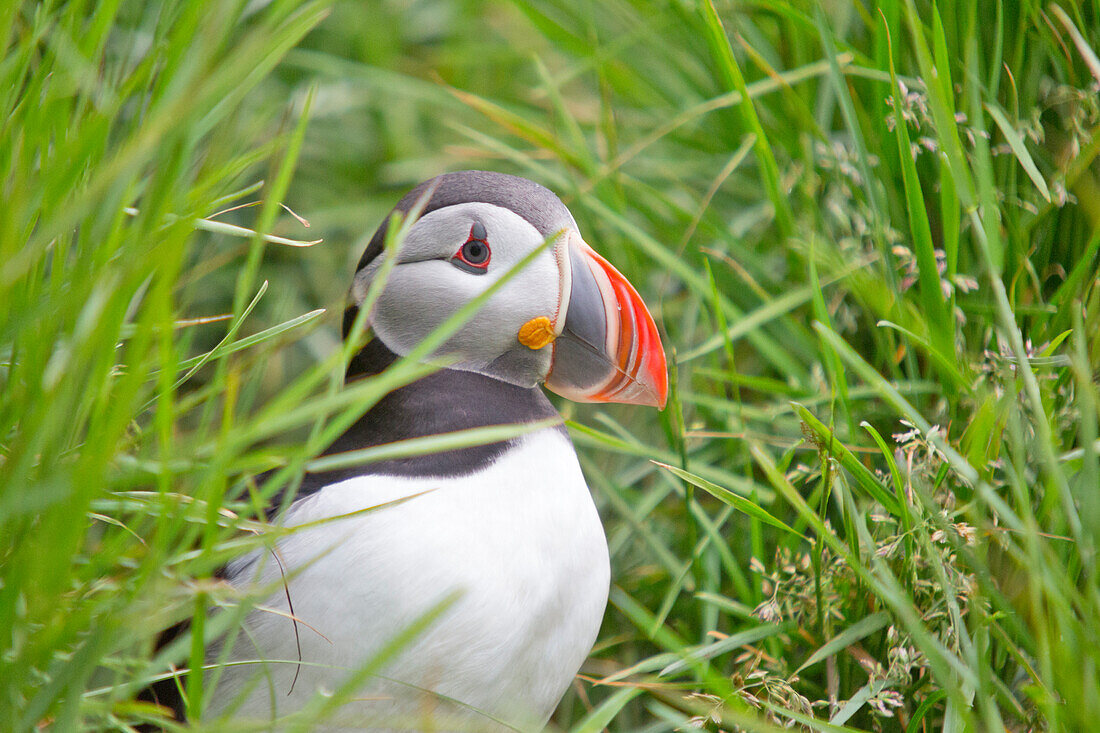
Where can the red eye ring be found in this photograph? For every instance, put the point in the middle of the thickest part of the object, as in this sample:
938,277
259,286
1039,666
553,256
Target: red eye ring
474,254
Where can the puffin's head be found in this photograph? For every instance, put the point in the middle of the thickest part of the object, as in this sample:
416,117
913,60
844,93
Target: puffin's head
567,318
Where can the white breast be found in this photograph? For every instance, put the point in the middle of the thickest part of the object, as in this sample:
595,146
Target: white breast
519,544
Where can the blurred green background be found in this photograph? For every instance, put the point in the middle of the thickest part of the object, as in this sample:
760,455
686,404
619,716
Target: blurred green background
868,232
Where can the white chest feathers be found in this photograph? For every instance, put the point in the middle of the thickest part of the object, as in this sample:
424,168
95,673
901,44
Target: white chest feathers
518,552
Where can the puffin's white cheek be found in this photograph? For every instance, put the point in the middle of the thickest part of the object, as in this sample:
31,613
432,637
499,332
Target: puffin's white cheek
494,328
416,300
495,332
420,296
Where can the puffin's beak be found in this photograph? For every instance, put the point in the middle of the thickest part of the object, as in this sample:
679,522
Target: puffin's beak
606,347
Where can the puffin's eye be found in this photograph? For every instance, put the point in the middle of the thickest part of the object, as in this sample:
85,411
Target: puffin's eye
475,252
474,255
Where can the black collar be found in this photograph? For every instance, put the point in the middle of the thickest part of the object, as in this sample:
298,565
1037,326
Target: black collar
441,402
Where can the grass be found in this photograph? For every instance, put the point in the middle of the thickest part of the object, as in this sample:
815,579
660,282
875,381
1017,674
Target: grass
869,232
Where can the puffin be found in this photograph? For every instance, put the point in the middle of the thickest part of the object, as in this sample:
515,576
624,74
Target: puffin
462,590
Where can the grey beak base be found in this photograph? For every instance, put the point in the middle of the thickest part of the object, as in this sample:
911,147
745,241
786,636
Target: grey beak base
581,361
